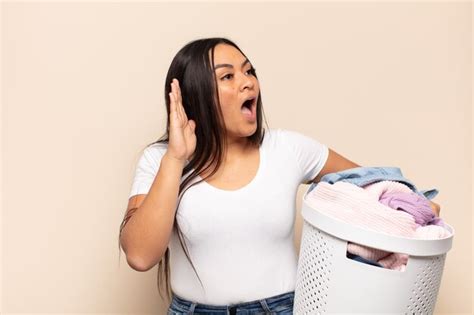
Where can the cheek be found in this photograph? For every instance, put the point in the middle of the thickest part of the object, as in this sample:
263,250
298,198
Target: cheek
226,97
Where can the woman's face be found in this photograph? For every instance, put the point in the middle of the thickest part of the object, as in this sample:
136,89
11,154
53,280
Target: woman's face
236,83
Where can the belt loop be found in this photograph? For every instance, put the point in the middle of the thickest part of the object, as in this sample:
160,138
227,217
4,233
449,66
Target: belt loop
191,308
264,304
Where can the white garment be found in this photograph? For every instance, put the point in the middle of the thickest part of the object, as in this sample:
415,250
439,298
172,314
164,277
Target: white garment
240,241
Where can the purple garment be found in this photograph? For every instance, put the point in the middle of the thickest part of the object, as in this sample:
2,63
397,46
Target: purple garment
414,204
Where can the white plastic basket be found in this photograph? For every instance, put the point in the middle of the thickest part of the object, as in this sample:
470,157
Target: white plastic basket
329,282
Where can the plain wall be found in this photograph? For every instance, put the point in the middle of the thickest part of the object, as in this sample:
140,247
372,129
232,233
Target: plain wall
384,84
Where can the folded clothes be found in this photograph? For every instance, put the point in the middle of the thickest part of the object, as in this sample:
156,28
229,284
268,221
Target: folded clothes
395,261
419,207
429,232
365,175
399,196
360,206
353,204
363,260
366,252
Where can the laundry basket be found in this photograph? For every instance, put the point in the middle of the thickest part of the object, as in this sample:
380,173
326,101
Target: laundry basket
329,282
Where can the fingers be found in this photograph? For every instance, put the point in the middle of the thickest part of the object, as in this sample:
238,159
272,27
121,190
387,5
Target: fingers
174,105
178,91
435,208
174,112
179,99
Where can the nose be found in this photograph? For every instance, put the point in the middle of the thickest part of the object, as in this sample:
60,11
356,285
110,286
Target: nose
247,82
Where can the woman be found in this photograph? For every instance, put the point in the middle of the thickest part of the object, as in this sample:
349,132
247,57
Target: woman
235,225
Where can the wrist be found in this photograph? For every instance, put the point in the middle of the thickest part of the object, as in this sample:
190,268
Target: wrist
174,160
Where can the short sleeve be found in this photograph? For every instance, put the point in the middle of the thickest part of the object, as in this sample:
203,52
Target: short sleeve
147,168
310,154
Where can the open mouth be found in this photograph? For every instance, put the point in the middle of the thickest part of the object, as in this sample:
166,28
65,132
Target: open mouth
249,104
248,109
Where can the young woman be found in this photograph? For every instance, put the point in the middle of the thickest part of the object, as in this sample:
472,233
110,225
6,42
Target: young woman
227,243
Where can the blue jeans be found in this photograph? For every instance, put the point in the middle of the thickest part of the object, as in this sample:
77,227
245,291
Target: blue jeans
281,304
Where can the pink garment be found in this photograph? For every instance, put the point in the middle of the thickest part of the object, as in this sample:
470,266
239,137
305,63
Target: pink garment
396,261
399,196
366,252
416,205
429,232
353,204
379,188
360,206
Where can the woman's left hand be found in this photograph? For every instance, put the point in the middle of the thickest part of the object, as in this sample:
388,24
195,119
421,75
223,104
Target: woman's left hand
435,207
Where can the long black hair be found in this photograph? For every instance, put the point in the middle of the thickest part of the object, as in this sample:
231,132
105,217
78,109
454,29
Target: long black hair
194,70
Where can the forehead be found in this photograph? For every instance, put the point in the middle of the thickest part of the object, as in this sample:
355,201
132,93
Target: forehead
224,53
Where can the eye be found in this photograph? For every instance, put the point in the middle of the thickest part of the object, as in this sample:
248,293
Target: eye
230,75
251,71
227,76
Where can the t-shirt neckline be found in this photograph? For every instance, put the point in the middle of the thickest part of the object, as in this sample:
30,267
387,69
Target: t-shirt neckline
248,185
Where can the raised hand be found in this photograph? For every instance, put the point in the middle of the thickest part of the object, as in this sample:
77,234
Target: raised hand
182,139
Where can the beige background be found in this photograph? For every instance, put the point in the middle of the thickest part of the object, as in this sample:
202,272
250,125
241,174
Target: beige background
82,93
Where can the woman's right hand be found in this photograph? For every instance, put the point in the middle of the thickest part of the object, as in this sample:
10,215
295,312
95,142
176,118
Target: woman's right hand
182,139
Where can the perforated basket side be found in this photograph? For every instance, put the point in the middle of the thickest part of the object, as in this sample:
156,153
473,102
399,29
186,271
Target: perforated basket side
426,287
328,282
314,270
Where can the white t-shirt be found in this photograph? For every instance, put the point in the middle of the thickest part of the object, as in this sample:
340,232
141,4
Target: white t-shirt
240,241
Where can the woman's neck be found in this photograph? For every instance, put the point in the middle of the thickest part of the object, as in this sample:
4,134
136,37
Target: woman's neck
235,150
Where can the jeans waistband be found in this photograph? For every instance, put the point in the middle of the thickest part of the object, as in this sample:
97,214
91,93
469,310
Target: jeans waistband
265,303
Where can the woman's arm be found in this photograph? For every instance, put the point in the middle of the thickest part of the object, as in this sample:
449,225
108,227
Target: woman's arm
336,163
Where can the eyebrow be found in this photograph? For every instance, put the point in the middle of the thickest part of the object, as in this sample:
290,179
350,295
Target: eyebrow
229,65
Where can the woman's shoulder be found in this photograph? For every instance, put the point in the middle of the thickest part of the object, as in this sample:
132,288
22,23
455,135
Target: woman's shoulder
279,130
157,146
278,137
292,138
154,152
282,133
275,132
